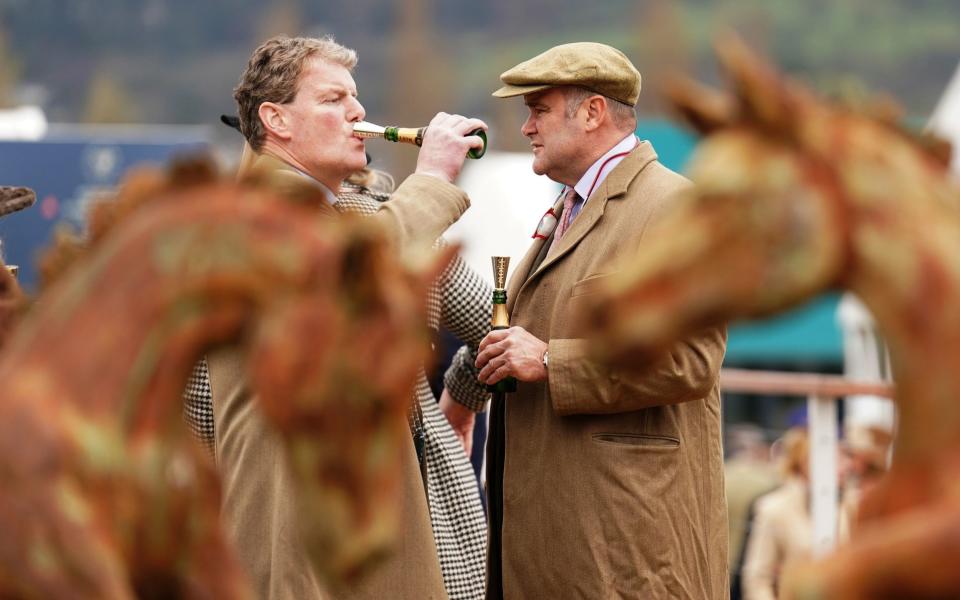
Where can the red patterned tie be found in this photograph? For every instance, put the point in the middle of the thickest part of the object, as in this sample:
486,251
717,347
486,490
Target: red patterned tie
570,200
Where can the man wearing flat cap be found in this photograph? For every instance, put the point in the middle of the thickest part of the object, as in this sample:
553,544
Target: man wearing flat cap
603,483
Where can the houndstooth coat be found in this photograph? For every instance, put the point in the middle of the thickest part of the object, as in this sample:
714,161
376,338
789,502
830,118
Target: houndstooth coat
460,300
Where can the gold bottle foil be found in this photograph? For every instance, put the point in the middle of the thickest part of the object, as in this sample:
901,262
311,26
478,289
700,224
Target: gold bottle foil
410,135
500,318
500,266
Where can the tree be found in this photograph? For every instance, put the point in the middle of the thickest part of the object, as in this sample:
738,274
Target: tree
109,102
280,18
9,73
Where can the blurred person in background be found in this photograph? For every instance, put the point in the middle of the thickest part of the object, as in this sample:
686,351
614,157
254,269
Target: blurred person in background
868,450
748,474
297,104
602,482
782,526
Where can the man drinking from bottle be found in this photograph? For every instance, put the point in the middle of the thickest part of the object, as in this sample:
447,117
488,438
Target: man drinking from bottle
298,104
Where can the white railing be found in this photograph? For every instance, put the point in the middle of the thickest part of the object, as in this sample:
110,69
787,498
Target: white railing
821,391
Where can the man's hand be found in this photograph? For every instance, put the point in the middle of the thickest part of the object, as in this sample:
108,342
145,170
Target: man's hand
511,352
461,419
446,144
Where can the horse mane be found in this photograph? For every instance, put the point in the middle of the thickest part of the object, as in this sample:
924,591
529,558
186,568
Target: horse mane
139,188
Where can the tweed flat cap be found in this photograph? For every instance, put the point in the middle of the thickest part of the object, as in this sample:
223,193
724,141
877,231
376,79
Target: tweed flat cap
597,67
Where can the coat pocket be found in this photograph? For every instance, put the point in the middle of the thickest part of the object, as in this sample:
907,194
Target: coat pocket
589,285
653,442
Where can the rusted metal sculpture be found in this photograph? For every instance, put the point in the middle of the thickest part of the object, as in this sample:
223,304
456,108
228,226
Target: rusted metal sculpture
13,199
795,196
104,493
12,300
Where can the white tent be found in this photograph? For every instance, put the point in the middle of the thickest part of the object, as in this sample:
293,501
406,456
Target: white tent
507,202
945,120
22,123
865,355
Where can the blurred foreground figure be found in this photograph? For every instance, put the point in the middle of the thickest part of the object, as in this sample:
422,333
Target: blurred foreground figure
105,494
795,196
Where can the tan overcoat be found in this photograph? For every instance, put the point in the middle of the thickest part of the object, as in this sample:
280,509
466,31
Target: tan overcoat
781,534
612,483
259,507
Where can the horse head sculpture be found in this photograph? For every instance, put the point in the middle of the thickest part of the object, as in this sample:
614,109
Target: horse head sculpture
795,196
105,494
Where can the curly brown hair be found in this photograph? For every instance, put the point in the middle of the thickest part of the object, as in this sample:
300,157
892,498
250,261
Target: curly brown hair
273,73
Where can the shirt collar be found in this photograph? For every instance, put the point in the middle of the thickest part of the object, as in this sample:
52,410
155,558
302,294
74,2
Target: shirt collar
328,194
587,181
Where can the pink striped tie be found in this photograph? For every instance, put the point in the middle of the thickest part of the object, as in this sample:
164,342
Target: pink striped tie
570,199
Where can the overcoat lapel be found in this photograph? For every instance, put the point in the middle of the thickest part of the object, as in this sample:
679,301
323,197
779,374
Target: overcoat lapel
529,261
613,186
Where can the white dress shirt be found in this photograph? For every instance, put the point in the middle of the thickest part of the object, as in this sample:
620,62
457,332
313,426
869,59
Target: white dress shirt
598,171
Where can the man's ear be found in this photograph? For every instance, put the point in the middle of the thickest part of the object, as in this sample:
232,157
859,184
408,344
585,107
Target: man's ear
274,119
596,111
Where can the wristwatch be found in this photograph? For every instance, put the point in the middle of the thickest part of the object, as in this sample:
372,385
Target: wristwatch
545,360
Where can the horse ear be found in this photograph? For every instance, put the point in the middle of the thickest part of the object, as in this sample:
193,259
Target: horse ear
704,108
938,148
764,97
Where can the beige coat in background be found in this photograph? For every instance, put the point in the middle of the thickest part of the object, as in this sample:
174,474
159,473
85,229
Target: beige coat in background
782,533
613,482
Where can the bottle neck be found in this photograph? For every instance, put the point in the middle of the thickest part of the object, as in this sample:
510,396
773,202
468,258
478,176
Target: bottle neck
500,319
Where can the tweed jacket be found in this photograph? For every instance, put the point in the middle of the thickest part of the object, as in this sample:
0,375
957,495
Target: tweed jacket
459,300
260,511
606,483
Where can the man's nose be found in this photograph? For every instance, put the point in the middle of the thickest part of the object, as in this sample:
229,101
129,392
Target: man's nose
356,112
527,129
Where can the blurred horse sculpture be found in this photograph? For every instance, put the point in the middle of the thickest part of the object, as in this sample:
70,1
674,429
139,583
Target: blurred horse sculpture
12,300
105,494
795,196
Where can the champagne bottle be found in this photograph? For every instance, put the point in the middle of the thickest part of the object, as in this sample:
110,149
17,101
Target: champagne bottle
500,319
410,135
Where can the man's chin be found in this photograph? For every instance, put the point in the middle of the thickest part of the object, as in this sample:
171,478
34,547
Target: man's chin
358,163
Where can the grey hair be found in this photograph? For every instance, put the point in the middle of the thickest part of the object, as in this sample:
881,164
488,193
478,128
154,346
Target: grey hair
623,115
